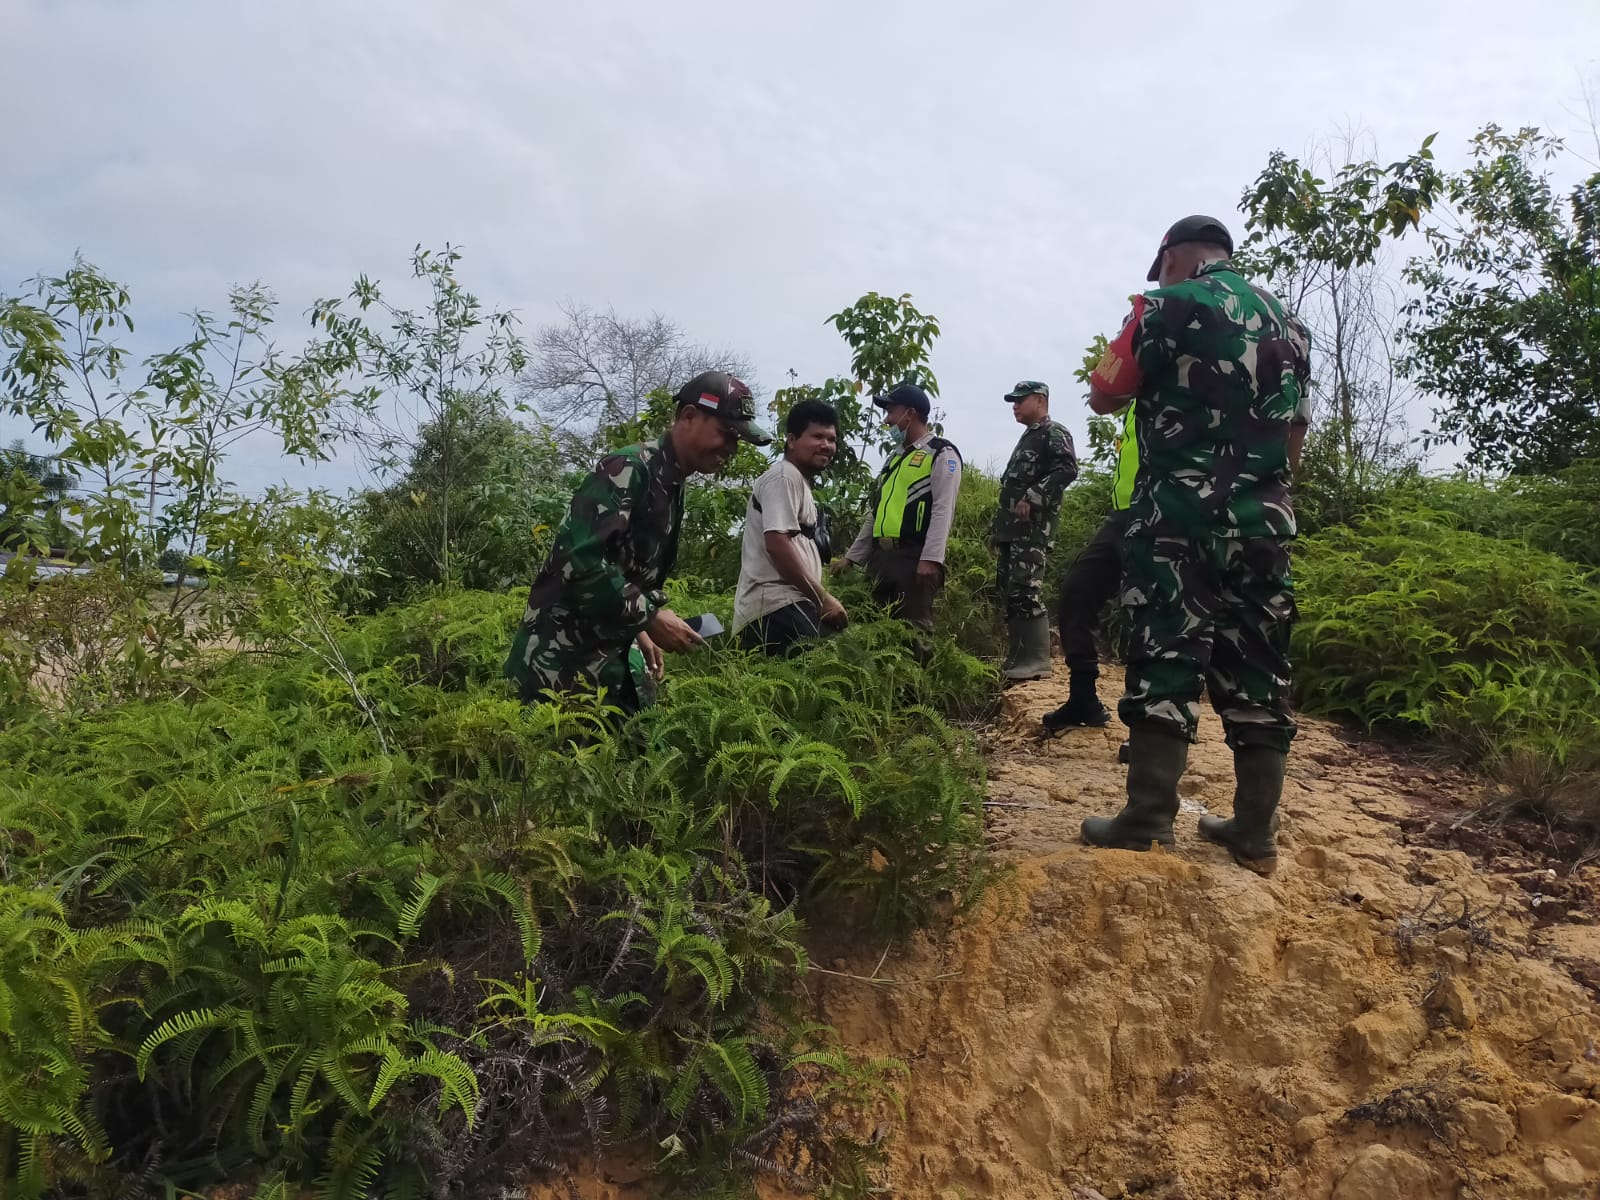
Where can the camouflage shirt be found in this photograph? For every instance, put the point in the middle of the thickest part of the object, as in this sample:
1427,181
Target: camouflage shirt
1041,467
1219,368
601,584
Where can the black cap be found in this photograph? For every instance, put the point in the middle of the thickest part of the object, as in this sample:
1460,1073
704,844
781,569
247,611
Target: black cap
1192,229
908,394
729,398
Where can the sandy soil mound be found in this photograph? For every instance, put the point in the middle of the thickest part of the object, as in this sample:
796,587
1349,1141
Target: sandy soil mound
1406,1011
1386,1017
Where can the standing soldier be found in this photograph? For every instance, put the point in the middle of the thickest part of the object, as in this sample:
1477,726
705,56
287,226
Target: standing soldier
1041,467
1218,367
902,541
599,592
1096,574
1092,580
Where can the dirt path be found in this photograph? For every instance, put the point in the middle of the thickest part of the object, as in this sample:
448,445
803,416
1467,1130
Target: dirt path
1169,1025
1406,1011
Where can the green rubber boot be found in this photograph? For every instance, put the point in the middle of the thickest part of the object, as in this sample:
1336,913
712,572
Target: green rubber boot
1156,762
1028,656
1250,835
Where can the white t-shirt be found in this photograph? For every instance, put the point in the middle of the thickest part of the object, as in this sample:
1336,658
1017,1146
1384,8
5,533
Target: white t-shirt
781,502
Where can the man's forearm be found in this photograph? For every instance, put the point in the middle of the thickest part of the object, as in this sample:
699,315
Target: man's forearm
791,567
1105,404
863,544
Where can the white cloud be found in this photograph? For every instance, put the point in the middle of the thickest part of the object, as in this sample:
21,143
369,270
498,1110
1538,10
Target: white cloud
746,170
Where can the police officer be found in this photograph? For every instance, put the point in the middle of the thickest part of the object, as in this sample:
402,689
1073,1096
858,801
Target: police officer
903,539
1217,367
1042,465
598,595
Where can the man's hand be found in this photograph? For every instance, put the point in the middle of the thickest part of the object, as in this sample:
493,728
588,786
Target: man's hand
671,632
929,571
833,612
839,566
1023,509
652,655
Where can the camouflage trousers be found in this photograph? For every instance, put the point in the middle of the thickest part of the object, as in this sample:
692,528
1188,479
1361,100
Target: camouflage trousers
544,667
1020,576
1212,612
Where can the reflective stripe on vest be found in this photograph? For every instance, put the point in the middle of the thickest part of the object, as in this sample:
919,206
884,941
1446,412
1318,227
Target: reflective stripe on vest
905,497
1127,463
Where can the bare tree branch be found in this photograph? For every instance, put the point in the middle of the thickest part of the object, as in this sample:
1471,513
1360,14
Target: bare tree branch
595,368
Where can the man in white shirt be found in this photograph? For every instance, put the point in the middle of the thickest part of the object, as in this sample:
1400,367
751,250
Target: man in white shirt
781,601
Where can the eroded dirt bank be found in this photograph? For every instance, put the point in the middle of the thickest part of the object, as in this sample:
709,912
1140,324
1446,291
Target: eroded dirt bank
1169,1025
1406,1011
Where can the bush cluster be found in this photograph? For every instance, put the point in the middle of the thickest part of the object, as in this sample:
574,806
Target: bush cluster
239,941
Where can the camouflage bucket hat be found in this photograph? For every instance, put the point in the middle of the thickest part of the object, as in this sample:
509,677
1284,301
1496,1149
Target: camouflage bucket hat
729,398
1028,387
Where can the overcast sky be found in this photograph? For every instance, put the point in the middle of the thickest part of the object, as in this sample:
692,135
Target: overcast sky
745,170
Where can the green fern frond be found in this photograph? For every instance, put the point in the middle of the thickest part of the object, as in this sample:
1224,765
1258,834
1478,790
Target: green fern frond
197,1021
428,886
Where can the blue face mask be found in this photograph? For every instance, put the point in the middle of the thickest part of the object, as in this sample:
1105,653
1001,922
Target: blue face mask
897,435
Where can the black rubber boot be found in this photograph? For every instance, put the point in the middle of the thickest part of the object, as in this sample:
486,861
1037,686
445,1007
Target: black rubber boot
1251,834
1029,653
1083,707
1157,762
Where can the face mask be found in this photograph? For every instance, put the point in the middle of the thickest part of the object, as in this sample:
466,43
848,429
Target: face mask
897,435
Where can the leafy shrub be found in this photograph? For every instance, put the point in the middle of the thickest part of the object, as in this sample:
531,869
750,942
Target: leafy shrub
239,940
1409,623
477,505
1554,513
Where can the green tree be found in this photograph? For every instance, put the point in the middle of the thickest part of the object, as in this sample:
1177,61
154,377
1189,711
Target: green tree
120,427
425,381
33,489
891,341
1505,328
502,486
1319,242
67,373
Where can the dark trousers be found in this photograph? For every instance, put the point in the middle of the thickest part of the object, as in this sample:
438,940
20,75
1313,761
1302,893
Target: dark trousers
1092,580
784,630
897,586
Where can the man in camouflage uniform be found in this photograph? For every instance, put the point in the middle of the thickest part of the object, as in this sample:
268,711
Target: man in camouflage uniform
1041,467
1218,367
598,595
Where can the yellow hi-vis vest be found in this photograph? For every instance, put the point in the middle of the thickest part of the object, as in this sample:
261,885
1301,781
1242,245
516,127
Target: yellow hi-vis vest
904,501
1127,463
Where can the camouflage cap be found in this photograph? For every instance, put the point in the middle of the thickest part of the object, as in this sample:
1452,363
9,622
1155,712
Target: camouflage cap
729,398
1028,387
1197,228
